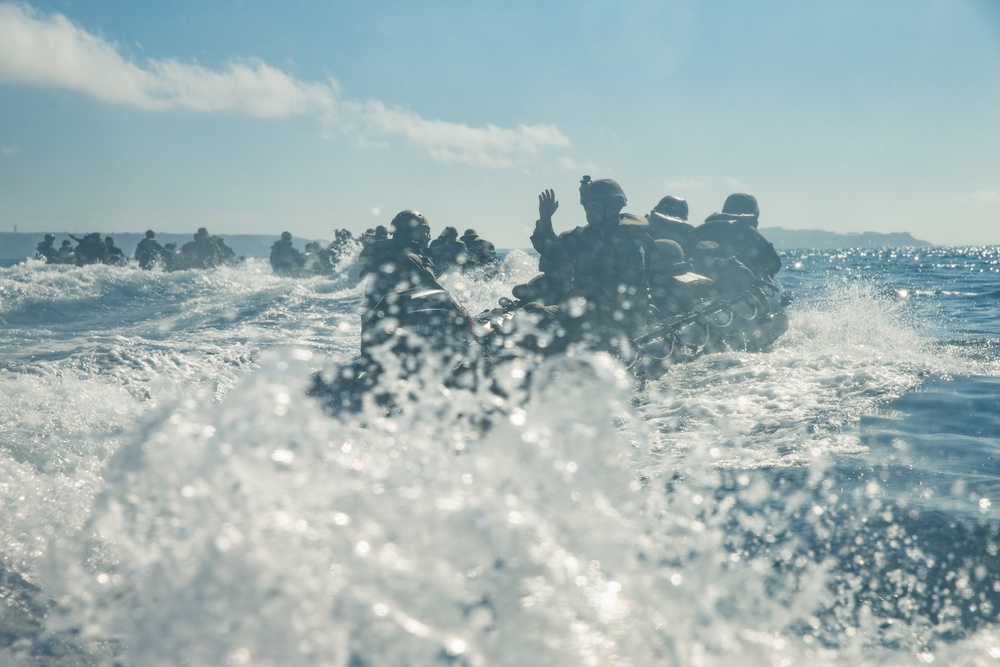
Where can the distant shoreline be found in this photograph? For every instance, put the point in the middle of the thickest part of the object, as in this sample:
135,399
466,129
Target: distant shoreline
818,239
17,246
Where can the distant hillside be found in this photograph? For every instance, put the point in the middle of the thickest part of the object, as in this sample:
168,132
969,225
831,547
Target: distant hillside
817,239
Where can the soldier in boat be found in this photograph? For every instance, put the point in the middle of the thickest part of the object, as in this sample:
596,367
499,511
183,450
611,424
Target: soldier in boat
285,259
67,254
90,249
734,229
46,250
669,220
149,252
410,319
115,256
448,251
605,304
480,251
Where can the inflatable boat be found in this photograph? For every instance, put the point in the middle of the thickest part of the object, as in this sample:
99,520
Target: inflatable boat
415,334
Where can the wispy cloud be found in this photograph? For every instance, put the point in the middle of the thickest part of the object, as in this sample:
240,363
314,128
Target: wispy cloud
451,143
686,183
981,197
40,50
49,50
736,185
12,149
569,164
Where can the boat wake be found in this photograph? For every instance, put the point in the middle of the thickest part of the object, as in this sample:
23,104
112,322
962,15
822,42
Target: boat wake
183,500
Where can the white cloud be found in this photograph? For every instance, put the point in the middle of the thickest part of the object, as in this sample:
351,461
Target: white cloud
982,197
452,143
736,185
40,50
50,51
569,164
12,149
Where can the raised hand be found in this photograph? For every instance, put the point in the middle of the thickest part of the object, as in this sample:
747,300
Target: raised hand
547,204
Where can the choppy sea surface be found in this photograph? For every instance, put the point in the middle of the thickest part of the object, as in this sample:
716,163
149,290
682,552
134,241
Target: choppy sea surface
171,496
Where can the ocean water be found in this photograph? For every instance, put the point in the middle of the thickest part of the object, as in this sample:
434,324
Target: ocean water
171,496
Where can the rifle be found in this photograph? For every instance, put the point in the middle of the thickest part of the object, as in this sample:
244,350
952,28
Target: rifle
670,326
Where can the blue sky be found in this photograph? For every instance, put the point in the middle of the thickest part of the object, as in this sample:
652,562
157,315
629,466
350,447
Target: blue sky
306,116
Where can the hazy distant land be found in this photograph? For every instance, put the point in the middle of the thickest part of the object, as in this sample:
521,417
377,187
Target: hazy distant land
818,239
18,246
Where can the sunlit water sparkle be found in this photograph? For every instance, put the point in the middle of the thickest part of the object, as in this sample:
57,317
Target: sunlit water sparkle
171,496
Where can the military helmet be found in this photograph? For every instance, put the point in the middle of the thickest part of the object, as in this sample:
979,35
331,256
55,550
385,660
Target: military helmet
150,234
669,259
675,207
409,224
604,188
670,252
286,236
741,203
50,237
707,249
